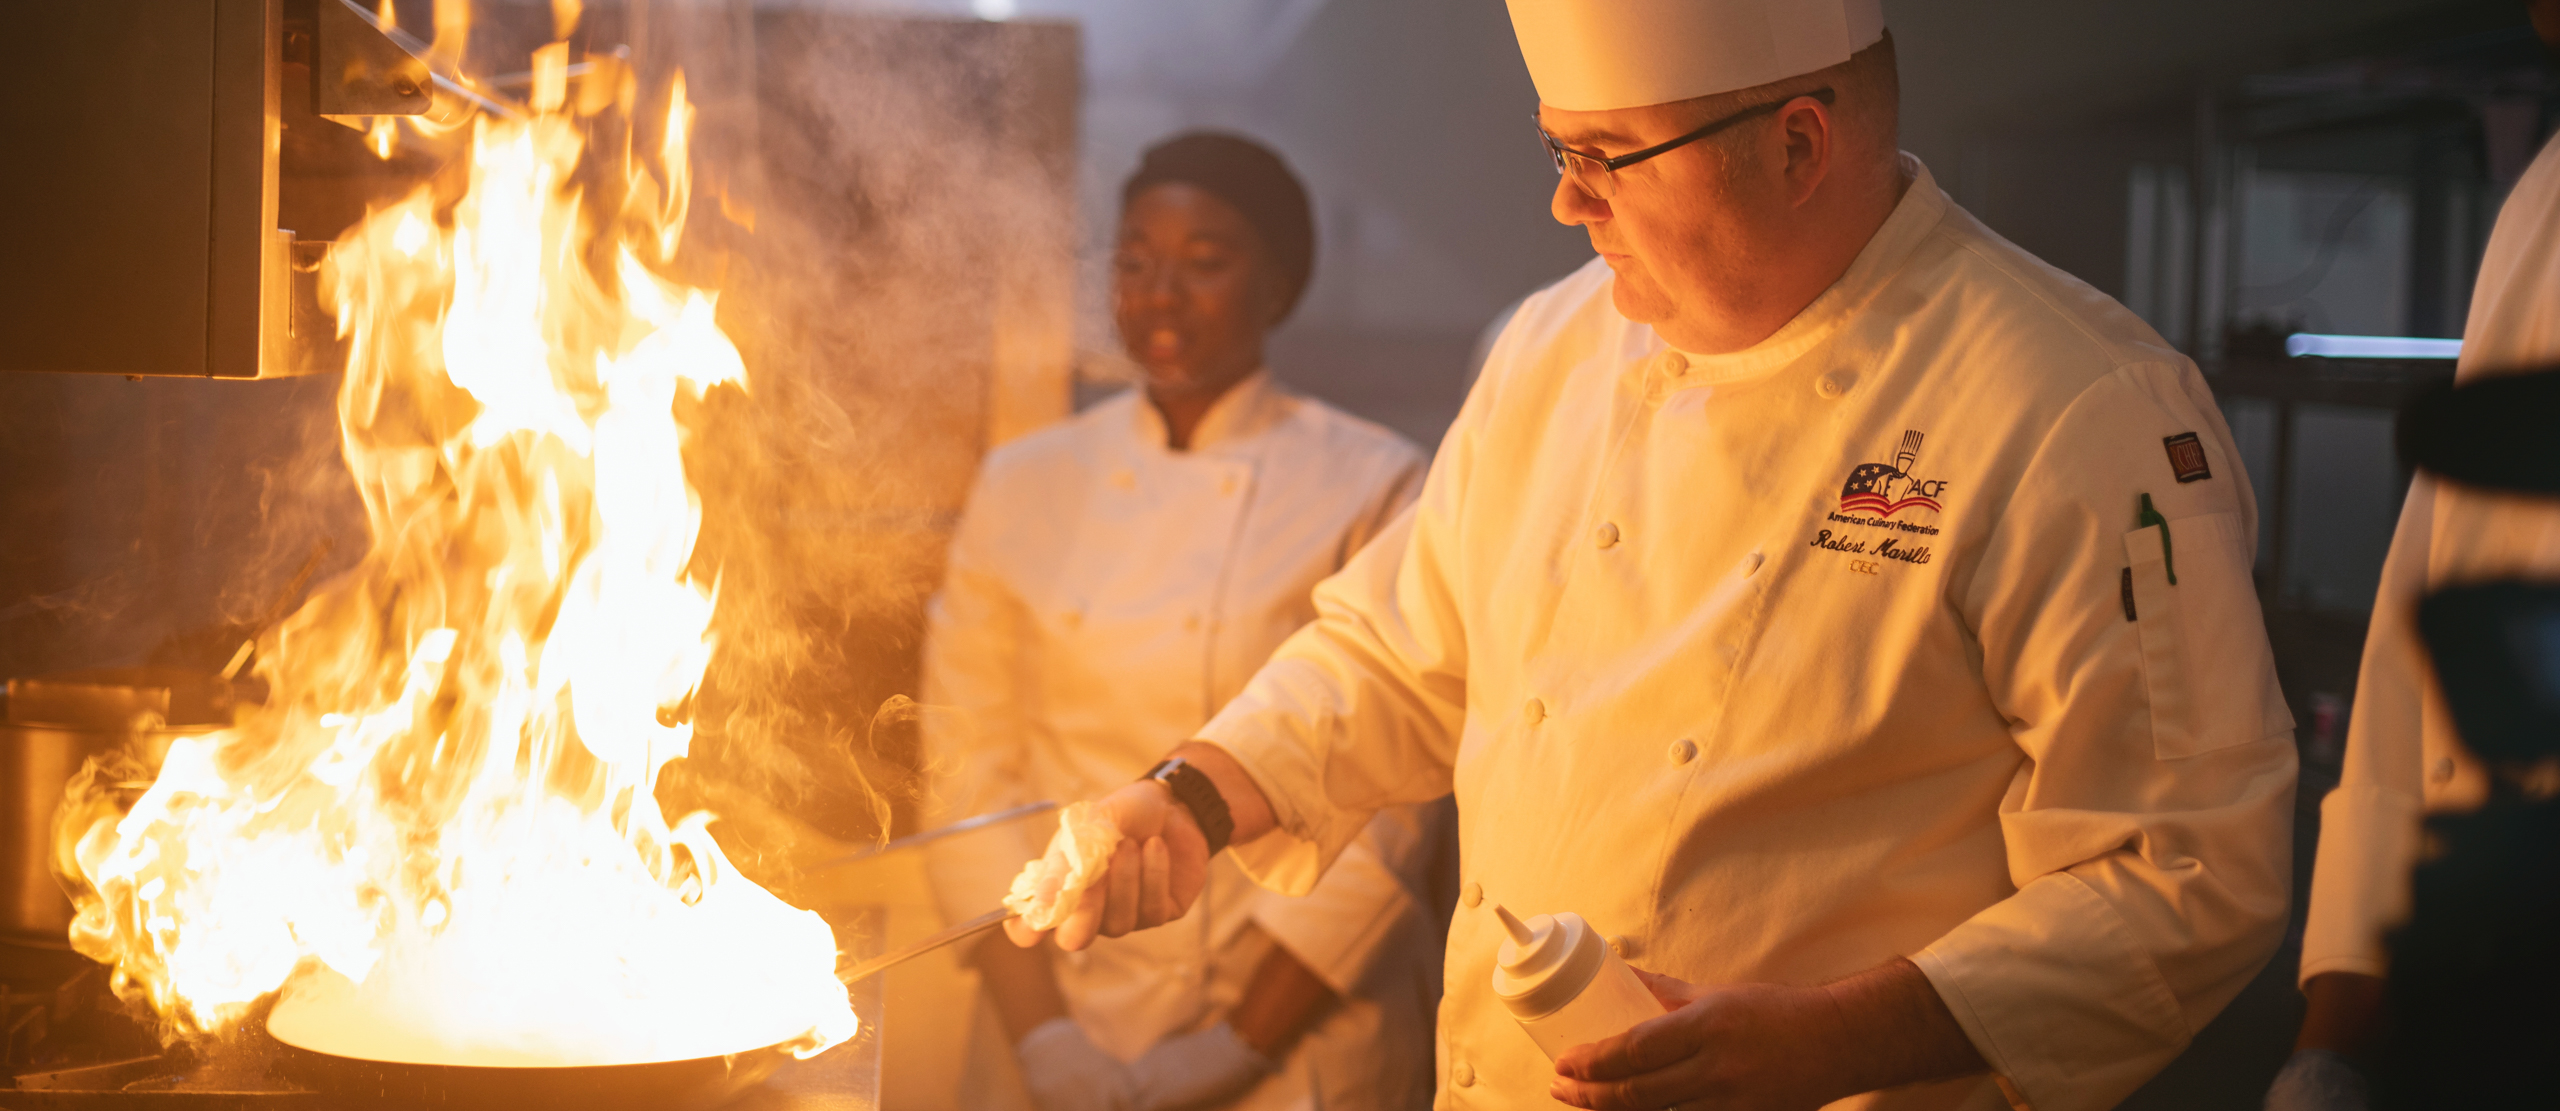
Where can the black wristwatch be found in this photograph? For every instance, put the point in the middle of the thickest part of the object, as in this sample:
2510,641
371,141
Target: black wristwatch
1192,788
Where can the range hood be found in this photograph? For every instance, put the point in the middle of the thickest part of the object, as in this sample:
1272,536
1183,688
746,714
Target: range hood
177,170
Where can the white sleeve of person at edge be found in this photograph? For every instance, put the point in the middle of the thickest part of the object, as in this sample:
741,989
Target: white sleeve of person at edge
1046,890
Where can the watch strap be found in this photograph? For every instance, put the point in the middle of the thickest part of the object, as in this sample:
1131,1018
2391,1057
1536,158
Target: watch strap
1198,794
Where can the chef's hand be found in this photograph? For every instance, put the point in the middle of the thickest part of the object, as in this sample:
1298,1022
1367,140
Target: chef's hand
1163,859
1160,866
1204,1068
1771,1046
1067,1072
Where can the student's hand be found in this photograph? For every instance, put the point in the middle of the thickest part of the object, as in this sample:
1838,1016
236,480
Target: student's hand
2318,1080
2343,1016
1067,1072
1204,1068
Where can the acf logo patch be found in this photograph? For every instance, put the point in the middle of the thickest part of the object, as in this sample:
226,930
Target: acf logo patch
1869,500
1885,489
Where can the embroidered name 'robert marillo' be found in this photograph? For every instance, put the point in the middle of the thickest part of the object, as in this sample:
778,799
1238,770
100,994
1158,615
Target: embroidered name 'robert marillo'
1885,489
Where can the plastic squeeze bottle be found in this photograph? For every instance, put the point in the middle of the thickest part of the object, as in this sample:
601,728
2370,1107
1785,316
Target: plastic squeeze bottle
1564,984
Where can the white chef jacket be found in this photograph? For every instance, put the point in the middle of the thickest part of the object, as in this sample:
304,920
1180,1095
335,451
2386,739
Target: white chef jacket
1107,594
2402,757
1782,663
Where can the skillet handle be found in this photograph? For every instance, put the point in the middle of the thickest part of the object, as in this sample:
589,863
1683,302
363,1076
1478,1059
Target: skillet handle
902,954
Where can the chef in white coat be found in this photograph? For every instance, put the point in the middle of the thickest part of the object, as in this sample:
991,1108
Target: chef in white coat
2403,759
1115,580
1846,612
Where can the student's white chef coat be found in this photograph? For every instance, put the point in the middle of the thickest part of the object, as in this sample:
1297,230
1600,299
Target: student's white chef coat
2402,757
1782,663
1105,596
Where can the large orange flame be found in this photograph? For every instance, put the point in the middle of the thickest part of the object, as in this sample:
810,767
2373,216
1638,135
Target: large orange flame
441,827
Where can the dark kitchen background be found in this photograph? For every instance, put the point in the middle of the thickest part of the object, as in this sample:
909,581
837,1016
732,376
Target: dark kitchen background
2233,172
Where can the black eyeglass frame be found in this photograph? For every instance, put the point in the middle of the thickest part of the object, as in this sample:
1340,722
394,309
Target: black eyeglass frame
1558,152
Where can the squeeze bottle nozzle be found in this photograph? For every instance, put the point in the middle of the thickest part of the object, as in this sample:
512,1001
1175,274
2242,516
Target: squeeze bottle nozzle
1563,983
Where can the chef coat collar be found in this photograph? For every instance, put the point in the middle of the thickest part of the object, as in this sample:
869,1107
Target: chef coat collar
1913,218
1247,407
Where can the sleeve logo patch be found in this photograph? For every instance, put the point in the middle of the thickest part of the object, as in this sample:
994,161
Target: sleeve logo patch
2186,457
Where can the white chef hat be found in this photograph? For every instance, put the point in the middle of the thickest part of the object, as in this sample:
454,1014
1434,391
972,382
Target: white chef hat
1594,55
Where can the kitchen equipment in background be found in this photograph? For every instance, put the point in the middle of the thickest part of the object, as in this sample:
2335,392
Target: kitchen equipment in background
177,183
275,614
52,727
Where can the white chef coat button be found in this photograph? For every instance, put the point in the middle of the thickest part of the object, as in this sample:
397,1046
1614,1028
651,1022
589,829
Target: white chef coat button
1471,894
1125,479
1831,385
1606,535
2441,770
1619,944
1227,485
1674,364
1683,751
1535,711
1463,1075
1751,564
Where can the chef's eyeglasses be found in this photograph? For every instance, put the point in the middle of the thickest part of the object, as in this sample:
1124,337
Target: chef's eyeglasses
1596,175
